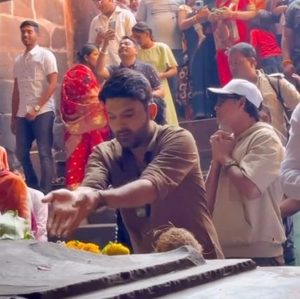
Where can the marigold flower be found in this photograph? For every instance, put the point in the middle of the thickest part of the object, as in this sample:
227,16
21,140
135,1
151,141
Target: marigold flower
91,247
115,249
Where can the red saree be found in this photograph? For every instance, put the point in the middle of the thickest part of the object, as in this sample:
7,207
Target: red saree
243,29
84,118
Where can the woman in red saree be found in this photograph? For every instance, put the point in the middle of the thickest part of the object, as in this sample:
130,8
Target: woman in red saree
241,11
13,191
84,117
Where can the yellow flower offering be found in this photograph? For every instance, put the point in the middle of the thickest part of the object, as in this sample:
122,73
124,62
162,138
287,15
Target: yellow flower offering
115,249
91,247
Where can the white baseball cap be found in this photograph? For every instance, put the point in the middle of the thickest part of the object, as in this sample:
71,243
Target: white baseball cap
243,88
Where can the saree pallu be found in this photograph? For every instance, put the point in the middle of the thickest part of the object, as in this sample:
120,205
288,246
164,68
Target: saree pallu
243,30
82,114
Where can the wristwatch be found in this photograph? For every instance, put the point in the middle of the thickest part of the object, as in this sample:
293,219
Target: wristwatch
229,164
37,108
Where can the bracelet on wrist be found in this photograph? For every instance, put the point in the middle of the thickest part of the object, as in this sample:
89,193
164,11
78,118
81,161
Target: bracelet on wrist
229,164
286,62
103,52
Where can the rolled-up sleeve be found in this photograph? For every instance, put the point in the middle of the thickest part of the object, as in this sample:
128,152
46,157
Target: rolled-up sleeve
290,168
97,174
177,157
262,163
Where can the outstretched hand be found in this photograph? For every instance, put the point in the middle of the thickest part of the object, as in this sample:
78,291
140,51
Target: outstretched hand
69,208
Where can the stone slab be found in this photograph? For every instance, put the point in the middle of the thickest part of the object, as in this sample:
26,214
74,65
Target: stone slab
262,283
46,270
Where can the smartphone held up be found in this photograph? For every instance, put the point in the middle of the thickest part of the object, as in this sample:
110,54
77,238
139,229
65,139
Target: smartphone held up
199,4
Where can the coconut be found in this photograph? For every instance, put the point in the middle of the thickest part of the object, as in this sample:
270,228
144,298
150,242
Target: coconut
173,238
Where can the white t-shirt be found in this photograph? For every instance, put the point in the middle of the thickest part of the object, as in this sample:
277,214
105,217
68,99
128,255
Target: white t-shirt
161,16
31,70
124,19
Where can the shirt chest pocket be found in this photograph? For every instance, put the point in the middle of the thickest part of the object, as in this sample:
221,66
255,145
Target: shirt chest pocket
39,72
32,71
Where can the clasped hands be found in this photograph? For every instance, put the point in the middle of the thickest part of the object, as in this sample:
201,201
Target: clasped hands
222,144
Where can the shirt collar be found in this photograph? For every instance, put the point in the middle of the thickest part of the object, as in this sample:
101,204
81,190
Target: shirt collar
117,10
133,66
33,51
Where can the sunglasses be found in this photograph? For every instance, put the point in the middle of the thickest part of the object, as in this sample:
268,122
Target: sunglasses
225,97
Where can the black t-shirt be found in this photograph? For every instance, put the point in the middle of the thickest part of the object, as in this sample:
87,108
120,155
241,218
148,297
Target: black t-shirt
146,69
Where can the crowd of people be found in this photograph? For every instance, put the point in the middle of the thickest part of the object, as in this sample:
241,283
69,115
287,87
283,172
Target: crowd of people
146,65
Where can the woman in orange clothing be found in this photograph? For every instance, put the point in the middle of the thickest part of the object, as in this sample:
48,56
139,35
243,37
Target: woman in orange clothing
84,117
13,191
240,11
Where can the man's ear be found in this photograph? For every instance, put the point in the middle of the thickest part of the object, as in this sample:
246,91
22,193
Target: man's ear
242,102
152,108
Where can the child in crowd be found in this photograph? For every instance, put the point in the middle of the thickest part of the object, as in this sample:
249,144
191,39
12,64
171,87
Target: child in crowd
263,39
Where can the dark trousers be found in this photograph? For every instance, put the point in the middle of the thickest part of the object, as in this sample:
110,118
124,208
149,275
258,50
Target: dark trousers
122,235
272,65
41,130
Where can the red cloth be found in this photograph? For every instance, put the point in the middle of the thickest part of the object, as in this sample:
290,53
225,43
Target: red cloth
85,120
243,27
13,195
3,159
265,43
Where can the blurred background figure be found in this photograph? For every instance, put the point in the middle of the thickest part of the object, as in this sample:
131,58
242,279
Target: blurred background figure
201,67
112,17
38,209
230,17
84,117
161,16
13,191
160,56
263,39
134,5
291,42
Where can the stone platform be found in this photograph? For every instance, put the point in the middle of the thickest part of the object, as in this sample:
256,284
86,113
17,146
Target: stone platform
31,269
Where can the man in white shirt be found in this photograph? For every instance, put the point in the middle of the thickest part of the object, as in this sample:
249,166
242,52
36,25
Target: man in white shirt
35,73
111,17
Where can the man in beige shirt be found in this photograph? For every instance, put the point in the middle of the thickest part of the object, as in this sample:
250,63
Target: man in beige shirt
243,63
242,185
154,172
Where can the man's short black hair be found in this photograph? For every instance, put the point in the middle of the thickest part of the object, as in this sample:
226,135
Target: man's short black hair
247,50
127,83
252,110
131,39
30,23
160,117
